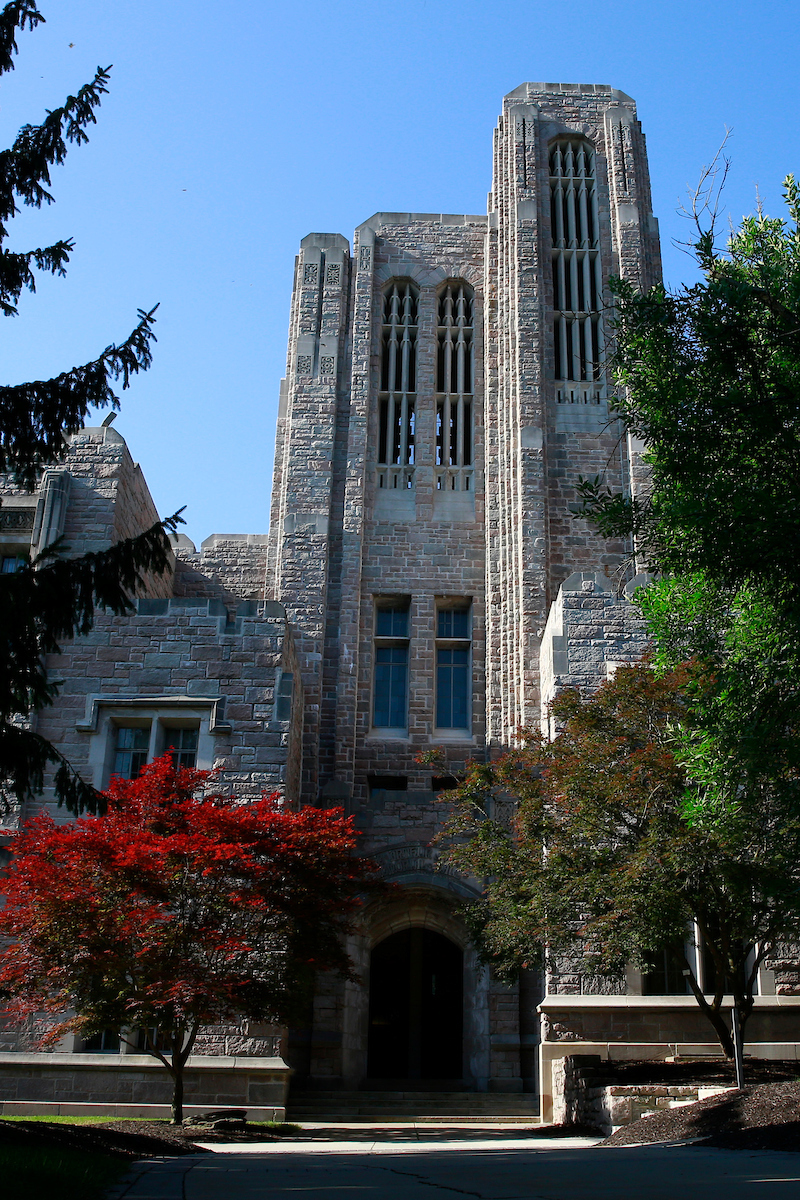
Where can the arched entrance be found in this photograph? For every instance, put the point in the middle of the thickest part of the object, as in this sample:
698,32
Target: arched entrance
415,1007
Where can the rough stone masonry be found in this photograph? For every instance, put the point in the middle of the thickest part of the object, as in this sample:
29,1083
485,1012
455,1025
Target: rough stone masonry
424,584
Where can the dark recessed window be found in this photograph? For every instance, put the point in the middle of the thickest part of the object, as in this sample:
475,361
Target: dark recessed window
387,783
130,751
283,702
453,623
106,1042
182,745
391,623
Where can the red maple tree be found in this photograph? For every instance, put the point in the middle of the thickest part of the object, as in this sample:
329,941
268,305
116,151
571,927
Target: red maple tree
176,909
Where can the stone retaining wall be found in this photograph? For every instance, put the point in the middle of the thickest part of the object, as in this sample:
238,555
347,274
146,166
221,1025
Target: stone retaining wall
136,1085
584,1095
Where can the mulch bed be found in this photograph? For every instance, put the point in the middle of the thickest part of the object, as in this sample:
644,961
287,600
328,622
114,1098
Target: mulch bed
121,1139
125,1139
763,1116
717,1072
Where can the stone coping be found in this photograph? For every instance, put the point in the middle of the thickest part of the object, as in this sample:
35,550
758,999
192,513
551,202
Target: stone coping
627,1051
559,1003
120,1112
142,1062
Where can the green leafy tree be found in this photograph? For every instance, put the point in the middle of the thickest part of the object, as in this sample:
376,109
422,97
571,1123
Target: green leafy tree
744,737
54,597
586,849
709,379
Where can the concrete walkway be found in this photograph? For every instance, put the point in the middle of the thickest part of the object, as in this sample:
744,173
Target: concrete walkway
410,1164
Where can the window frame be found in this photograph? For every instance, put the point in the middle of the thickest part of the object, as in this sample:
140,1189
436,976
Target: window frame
454,407
396,431
443,605
390,641
579,366
105,714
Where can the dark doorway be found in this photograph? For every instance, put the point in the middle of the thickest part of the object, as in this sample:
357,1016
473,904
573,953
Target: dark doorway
415,1007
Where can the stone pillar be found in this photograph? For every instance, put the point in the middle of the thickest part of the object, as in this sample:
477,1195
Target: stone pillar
299,560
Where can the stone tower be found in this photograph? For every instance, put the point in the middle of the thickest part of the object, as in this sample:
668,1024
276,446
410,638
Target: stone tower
446,386
424,587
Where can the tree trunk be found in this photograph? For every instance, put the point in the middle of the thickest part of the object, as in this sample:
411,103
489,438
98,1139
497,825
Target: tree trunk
177,1090
717,1018
181,1049
712,1012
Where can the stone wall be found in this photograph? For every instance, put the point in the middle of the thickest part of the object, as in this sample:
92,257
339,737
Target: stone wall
229,567
136,1085
584,1095
784,962
186,659
590,631
97,496
657,1020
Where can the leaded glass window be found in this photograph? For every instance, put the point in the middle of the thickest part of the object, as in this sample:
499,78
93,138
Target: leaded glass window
390,687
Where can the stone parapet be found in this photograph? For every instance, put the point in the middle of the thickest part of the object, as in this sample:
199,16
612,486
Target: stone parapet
137,1085
558,1108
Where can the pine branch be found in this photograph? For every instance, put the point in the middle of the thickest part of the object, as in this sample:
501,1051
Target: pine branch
16,273
13,17
35,417
25,168
24,756
41,605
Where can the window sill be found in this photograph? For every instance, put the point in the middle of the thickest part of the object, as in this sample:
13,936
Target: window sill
448,736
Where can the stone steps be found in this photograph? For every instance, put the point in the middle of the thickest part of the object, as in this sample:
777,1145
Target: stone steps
387,1107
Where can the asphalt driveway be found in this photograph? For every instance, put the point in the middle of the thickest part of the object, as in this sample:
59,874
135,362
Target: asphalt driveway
528,1169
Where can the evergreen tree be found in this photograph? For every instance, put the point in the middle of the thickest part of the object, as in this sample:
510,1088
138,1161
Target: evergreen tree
54,597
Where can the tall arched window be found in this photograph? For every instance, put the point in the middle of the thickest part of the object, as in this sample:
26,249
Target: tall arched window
397,399
577,279
454,384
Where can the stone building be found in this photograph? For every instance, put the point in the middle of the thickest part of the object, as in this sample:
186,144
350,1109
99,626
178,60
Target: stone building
423,584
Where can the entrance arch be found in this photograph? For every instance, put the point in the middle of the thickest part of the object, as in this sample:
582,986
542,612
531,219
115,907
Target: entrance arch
416,999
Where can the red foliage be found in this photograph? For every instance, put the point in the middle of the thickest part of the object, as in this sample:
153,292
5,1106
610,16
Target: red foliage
177,908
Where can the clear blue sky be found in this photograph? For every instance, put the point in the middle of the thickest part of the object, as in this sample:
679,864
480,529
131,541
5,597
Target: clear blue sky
233,129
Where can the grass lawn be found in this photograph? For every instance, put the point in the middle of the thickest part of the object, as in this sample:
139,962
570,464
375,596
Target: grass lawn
284,1127
68,1120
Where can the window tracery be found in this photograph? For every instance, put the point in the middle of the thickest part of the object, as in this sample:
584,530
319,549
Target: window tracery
397,400
577,277
454,387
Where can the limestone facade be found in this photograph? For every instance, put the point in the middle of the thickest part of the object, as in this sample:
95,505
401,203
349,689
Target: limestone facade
424,584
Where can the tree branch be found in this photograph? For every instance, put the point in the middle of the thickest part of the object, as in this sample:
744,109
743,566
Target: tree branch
36,417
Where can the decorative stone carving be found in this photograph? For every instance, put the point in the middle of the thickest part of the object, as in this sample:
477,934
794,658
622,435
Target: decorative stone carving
310,272
333,275
304,364
412,858
327,365
17,518
364,257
